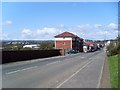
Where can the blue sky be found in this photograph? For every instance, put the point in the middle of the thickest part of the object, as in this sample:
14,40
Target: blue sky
43,20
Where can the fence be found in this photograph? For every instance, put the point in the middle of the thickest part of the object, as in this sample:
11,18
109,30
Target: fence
22,55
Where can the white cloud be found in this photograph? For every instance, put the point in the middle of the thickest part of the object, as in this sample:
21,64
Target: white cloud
61,26
46,31
4,36
96,31
86,31
7,22
74,33
82,33
97,26
27,33
112,26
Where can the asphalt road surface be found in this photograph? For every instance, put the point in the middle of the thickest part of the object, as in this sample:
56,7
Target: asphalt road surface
82,70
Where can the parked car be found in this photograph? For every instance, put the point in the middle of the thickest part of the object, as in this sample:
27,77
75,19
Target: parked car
93,48
72,52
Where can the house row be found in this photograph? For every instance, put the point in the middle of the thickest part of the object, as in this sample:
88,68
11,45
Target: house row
68,41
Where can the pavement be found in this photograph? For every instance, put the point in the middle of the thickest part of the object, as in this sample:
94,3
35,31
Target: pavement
82,70
105,81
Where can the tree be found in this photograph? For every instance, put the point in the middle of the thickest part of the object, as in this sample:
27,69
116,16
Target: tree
46,46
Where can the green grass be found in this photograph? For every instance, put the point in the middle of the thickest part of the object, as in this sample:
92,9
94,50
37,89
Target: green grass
113,67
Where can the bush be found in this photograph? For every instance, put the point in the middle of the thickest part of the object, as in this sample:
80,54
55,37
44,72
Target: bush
112,49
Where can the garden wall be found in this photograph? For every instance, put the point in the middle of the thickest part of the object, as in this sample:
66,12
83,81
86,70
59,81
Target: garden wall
23,55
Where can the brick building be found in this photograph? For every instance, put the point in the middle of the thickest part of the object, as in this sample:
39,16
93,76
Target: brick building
67,41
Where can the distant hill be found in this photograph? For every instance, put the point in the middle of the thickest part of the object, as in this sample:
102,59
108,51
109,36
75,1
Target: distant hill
27,41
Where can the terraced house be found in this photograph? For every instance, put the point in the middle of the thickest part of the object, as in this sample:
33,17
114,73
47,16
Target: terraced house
67,41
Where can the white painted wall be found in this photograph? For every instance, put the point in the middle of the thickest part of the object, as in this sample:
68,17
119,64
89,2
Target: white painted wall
66,38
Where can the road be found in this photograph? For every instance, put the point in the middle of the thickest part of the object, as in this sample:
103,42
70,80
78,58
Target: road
82,70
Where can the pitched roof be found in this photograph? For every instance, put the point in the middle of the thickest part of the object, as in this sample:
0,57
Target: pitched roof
80,38
89,43
66,34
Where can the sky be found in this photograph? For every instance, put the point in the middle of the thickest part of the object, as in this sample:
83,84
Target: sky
44,20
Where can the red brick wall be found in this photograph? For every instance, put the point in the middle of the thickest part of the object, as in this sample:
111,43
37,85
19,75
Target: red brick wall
62,52
66,44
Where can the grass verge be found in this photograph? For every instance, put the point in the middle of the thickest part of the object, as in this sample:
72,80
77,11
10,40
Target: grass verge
113,68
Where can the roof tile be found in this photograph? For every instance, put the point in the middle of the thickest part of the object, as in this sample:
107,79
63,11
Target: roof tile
66,34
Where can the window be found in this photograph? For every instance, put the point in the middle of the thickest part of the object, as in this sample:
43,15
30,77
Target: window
63,43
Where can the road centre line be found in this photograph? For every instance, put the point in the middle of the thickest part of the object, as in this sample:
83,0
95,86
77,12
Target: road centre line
82,57
53,63
29,68
21,70
73,74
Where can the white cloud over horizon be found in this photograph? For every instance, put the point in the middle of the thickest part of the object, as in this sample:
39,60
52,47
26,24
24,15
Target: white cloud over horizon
44,33
86,31
113,26
97,25
27,33
97,31
4,36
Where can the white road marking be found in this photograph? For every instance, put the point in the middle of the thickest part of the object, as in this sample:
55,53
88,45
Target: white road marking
21,70
98,85
73,74
82,57
29,68
53,63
